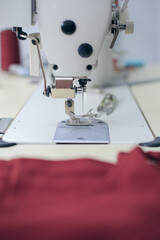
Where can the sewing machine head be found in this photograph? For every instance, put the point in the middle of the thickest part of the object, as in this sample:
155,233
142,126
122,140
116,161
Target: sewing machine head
72,44
73,34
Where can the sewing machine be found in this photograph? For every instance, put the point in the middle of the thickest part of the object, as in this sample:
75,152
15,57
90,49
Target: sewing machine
76,36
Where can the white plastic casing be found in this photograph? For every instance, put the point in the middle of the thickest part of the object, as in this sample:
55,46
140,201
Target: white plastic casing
16,13
92,19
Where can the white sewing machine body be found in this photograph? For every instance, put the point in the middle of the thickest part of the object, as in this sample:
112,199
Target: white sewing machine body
76,35
91,21
62,47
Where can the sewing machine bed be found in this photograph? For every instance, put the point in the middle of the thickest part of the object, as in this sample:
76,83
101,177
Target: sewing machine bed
37,121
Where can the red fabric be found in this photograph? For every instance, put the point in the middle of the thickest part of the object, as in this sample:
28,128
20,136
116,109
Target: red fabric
9,49
82,199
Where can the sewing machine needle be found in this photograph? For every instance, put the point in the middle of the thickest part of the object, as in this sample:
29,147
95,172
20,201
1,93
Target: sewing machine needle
83,102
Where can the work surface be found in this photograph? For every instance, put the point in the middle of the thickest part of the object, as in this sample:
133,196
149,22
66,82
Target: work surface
14,92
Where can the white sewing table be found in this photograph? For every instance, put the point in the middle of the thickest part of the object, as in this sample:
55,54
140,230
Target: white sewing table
15,91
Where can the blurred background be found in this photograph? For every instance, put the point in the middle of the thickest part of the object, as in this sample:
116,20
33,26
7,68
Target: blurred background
144,44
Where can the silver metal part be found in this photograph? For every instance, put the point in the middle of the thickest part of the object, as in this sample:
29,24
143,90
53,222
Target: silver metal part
108,104
69,106
4,123
96,133
124,7
116,25
90,114
79,90
83,102
115,35
82,120
35,39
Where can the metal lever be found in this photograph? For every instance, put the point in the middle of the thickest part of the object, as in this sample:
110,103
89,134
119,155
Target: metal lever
108,104
34,57
117,30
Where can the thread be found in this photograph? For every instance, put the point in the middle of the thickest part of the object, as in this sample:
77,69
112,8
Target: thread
9,49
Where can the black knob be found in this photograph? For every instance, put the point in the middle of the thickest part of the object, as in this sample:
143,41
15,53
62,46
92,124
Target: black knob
85,50
55,67
89,67
83,82
68,27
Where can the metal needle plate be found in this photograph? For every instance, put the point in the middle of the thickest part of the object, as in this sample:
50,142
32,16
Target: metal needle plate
98,133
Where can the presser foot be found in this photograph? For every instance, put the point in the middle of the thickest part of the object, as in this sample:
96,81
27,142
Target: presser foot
81,120
85,132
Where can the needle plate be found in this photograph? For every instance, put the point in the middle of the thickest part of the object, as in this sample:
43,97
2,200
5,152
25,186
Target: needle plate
98,132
